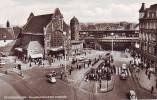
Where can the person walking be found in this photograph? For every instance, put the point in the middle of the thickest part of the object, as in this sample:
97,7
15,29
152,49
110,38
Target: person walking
84,65
6,72
149,75
30,65
152,89
15,60
146,71
61,75
70,70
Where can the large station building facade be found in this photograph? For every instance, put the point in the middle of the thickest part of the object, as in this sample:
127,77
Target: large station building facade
42,35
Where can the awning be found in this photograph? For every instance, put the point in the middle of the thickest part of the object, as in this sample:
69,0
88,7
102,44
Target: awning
57,48
36,56
19,49
4,43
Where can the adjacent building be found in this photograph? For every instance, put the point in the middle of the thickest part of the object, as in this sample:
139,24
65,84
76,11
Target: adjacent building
148,35
7,36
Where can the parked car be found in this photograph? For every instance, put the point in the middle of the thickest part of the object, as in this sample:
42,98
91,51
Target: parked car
51,74
123,75
132,95
52,79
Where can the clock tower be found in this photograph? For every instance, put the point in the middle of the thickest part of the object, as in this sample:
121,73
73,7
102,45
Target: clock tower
142,11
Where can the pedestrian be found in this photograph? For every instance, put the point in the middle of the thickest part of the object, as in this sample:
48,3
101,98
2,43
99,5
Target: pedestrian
6,72
142,66
152,89
114,68
88,64
15,60
30,65
146,71
79,67
149,75
84,65
70,70
130,61
61,75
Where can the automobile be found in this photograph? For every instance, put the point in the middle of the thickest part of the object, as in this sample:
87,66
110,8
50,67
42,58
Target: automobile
132,95
52,79
124,72
124,67
107,54
51,74
137,69
123,76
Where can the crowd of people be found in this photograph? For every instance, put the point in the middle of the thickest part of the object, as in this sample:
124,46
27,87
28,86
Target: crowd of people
103,71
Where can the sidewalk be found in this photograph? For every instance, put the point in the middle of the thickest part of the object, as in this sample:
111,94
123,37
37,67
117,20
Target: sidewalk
145,83
56,64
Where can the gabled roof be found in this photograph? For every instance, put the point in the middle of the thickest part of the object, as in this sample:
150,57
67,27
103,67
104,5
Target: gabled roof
7,33
37,23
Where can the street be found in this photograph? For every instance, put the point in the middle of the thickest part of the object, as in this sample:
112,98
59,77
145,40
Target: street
34,83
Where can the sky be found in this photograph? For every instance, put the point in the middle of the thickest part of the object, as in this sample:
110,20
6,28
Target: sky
87,11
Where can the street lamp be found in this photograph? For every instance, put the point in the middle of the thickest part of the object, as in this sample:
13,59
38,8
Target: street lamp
65,53
112,41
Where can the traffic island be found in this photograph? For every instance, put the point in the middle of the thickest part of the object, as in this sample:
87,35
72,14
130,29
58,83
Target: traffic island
106,86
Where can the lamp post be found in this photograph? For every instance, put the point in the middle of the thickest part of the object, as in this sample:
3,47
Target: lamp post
112,41
65,53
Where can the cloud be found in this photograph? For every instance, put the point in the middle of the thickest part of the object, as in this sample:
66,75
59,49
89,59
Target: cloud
17,11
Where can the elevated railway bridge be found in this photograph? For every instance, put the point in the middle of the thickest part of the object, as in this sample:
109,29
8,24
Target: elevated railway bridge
104,39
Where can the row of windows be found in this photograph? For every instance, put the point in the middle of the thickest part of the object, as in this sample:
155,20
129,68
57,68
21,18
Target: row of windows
148,37
149,25
152,14
148,48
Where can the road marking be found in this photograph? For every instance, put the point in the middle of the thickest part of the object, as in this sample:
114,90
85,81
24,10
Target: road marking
96,90
119,70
